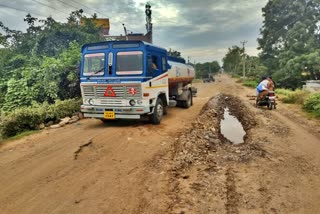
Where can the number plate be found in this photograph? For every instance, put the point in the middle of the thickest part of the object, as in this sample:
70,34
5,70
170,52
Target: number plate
109,115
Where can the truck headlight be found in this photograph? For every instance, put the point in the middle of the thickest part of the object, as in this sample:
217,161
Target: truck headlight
91,102
139,102
132,102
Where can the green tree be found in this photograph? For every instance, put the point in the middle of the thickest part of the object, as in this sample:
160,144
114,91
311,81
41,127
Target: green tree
289,40
203,69
232,60
42,64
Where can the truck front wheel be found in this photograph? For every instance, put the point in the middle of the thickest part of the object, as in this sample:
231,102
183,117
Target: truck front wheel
158,111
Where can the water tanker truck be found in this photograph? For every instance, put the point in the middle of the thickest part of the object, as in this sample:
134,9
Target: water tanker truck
132,80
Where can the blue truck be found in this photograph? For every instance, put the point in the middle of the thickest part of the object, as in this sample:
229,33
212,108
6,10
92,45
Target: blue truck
132,80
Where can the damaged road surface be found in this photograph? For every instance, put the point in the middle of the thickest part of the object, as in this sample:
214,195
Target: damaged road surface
187,164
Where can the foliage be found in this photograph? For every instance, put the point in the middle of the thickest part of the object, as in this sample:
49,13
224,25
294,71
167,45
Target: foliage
290,41
236,57
312,104
203,69
29,118
174,53
232,60
250,83
42,64
283,91
296,97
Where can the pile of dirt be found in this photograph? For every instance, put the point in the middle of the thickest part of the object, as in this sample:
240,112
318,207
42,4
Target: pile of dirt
202,169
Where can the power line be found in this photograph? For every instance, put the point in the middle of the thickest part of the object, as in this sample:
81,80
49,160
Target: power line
90,8
67,4
49,6
6,6
70,5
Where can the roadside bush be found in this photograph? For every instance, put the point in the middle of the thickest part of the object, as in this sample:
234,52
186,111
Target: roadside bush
29,118
283,91
312,104
296,97
250,83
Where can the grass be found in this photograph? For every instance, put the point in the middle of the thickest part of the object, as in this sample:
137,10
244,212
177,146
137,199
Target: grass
19,136
312,104
250,83
283,91
295,97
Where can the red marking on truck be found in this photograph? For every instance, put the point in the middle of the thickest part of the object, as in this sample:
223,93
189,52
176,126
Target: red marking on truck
132,91
109,92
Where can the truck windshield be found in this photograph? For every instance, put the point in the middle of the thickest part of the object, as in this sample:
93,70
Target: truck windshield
129,63
93,64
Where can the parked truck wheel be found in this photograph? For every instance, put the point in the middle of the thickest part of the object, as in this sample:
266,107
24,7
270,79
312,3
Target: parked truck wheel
187,103
158,111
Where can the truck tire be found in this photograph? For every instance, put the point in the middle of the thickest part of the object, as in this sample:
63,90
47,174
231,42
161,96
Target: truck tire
187,103
158,111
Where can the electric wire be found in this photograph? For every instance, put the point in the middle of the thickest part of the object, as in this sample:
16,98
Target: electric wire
50,7
90,8
67,4
10,7
70,5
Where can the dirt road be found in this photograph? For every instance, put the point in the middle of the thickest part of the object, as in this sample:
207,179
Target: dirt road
176,167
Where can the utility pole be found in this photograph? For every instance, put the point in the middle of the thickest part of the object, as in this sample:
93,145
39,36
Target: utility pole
244,59
148,13
125,31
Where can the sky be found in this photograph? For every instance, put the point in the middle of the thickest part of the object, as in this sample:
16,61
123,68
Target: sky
202,30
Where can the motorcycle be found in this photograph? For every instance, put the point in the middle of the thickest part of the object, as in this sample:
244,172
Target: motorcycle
269,101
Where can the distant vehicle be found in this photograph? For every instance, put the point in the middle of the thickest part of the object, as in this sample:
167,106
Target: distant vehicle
133,79
208,78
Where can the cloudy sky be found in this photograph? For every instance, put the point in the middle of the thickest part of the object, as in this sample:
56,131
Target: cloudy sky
200,29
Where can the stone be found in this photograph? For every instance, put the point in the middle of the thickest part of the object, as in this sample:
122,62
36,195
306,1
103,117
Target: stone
42,126
80,115
73,119
65,120
214,141
212,135
55,126
49,123
62,123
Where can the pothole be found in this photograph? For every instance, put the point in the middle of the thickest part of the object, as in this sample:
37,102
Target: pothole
235,119
219,138
231,128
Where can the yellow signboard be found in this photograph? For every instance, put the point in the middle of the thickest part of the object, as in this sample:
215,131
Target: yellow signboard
103,23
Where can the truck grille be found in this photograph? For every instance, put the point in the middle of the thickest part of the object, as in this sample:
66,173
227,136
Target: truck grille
120,91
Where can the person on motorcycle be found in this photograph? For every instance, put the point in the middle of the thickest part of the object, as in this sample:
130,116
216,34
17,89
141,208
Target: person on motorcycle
263,88
272,86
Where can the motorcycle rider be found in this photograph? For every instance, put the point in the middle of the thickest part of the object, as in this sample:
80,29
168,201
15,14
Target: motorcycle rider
263,88
272,84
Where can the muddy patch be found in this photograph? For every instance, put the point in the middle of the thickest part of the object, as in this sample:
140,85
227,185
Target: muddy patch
203,167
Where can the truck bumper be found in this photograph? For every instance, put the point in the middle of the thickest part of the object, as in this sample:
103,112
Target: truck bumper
91,111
